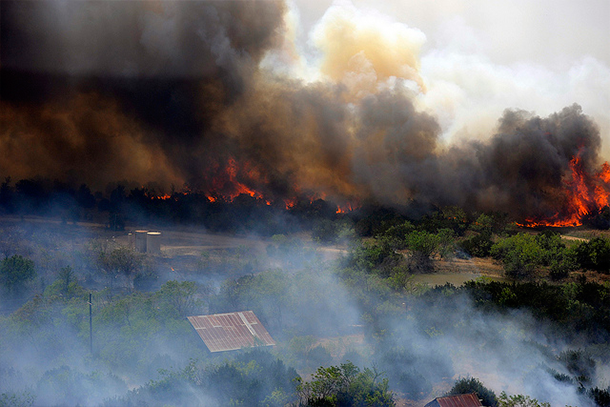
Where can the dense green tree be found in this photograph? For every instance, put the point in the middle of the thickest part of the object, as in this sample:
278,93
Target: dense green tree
394,236
469,385
114,260
520,254
423,245
555,255
181,297
325,231
66,277
65,287
370,255
449,217
266,293
67,386
579,363
345,385
477,245
519,400
15,272
254,378
595,254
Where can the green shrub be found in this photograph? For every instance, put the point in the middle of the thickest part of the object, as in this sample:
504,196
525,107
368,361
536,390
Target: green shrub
520,254
579,363
519,400
345,385
478,245
472,385
15,272
595,254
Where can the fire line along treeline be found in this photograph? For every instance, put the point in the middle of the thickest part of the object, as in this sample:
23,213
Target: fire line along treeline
202,93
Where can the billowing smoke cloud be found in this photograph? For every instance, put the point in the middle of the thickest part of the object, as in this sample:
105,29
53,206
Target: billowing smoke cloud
167,68
216,94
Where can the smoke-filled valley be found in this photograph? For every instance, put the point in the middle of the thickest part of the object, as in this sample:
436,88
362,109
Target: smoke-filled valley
539,334
323,165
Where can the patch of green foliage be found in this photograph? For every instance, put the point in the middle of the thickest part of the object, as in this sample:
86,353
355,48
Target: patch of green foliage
17,399
254,378
519,400
469,385
15,272
595,254
478,245
345,385
520,254
579,364
573,308
523,254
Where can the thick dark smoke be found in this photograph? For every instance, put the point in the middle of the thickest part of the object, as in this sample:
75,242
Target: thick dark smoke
158,73
525,163
175,92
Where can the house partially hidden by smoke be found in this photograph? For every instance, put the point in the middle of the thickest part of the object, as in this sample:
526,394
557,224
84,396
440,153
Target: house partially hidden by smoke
231,331
460,400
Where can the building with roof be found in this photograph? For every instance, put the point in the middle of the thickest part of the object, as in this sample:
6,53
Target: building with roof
459,400
231,331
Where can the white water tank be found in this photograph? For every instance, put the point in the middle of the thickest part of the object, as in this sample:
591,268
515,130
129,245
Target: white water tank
153,242
141,241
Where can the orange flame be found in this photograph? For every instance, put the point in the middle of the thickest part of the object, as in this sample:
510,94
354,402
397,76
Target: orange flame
290,203
348,207
233,179
586,194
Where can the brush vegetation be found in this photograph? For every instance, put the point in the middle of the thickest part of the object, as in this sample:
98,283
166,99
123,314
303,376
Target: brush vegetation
355,331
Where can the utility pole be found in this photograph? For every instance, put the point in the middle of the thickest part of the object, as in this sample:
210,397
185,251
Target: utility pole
90,327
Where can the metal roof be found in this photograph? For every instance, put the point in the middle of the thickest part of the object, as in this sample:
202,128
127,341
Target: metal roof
460,400
231,331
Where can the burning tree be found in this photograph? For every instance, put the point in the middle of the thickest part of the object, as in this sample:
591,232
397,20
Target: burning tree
584,195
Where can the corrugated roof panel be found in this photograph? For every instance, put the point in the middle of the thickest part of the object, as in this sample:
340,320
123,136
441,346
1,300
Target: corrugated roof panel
460,400
231,331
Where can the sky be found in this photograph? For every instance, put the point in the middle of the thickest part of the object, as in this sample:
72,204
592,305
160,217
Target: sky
537,55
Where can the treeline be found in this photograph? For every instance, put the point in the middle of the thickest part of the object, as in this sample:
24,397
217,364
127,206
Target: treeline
401,247
130,203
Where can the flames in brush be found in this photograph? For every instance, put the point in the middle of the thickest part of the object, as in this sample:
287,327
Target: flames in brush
227,182
584,194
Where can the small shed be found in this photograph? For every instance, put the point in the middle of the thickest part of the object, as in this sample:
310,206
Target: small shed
231,331
459,400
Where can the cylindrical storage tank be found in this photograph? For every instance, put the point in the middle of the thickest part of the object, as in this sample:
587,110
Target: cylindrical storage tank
141,241
153,242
